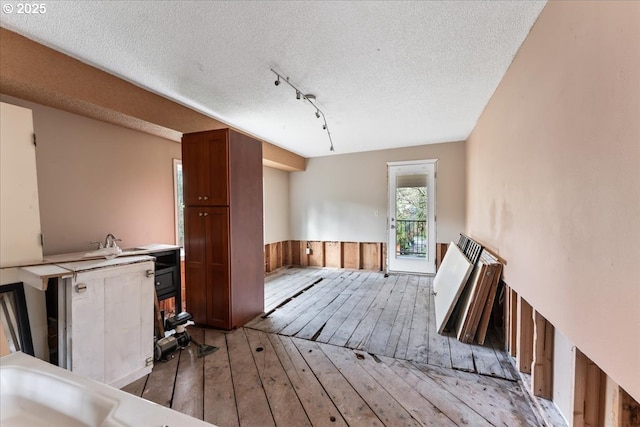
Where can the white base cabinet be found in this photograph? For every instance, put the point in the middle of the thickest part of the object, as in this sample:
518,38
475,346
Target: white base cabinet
105,324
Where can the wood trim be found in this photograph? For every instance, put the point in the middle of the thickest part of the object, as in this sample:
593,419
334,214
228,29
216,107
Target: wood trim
524,356
76,87
542,369
351,255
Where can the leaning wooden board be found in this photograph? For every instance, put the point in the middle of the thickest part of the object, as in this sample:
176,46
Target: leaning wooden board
448,284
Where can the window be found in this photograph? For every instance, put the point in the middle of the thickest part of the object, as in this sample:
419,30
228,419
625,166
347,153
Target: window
178,201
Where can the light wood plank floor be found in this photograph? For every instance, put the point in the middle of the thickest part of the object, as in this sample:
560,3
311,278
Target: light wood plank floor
341,348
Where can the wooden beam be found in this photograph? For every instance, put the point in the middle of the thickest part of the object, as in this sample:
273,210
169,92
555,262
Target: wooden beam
524,356
542,370
587,393
76,87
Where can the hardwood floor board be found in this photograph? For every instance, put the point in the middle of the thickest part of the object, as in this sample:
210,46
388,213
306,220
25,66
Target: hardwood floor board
353,408
219,396
461,354
281,288
188,394
344,312
315,325
394,403
498,347
487,362
286,408
491,398
159,386
137,387
344,332
439,353
316,306
399,337
379,337
451,405
280,318
418,343
294,381
251,400
360,336
318,406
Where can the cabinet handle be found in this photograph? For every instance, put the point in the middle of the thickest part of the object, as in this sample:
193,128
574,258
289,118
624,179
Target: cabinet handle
205,214
81,287
206,198
199,197
157,283
200,214
150,273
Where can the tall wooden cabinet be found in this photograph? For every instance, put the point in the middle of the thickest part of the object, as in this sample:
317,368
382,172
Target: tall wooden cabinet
224,271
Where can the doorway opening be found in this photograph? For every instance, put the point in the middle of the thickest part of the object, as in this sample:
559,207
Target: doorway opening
411,216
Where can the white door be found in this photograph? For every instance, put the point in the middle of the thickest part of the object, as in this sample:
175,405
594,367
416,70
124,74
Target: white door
411,217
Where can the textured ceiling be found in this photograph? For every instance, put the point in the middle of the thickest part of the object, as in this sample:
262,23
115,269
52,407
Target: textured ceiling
386,74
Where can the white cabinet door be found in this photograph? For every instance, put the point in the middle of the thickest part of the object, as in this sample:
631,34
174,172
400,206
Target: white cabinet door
19,206
110,323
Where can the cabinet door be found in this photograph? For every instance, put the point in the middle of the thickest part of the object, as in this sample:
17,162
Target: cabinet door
110,323
128,308
85,325
195,246
205,169
218,289
207,265
19,207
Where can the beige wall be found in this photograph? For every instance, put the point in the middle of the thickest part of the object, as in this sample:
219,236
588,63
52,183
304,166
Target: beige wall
553,178
276,205
95,178
337,197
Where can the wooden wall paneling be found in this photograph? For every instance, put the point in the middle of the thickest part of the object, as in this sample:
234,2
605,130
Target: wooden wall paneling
316,258
589,383
513,323
628,410
286,253
267,258
542,369
295,248
524,356
370,254
279,262
351,255
333,254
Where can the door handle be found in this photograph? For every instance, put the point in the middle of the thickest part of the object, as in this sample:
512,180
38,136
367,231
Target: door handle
393,226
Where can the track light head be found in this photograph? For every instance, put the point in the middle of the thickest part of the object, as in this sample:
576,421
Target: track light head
277,82
297,94
318,114
324,127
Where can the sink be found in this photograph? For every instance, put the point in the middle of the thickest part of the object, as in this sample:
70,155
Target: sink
108,253
33,398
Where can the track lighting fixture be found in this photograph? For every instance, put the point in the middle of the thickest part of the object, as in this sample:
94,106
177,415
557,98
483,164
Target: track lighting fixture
307,97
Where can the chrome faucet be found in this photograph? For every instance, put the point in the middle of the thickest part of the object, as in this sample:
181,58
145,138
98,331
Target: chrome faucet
110,241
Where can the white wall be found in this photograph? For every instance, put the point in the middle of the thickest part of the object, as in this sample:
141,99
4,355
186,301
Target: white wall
276,205
337,197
